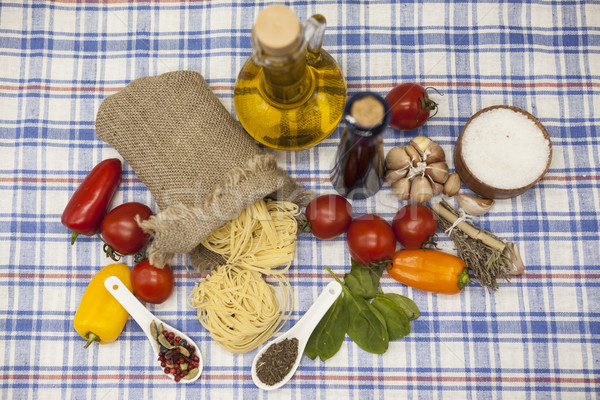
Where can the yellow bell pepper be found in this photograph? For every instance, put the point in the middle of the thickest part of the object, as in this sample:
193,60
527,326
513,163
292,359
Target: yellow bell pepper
100,317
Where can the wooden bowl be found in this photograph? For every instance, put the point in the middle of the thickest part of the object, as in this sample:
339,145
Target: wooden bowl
481,188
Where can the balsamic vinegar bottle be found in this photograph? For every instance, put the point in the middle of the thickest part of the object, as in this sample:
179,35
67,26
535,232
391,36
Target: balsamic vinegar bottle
358,167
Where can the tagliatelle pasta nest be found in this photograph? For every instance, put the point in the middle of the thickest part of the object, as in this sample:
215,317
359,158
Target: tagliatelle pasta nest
262,238
239,308
235,303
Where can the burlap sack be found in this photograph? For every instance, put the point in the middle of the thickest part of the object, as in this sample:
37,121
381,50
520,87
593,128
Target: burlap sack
196,160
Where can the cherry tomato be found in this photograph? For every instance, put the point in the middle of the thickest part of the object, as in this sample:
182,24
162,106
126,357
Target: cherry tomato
151,284
413,225
120,230
329,216
410,106
370,239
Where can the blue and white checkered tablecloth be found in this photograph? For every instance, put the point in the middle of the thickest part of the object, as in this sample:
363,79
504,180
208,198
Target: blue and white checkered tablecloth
536,338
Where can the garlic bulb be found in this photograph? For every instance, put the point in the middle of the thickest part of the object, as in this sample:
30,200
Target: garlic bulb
418,170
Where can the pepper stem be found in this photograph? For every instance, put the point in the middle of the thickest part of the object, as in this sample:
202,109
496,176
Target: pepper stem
463,278
74,237
91,337
380,264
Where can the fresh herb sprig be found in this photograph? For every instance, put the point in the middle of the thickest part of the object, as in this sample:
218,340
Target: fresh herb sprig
370,324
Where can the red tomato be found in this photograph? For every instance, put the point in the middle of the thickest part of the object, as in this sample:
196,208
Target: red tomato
329,216
370,239
410,106
120,230
413,225
151,284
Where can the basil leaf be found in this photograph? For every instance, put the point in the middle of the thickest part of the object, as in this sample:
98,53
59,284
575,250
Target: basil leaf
395,319
366,326
363,281
407,305
328,336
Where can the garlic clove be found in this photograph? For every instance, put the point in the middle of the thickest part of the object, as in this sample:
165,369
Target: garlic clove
512,252
393,175
420,189
420,143
438,172
474,205
452,185
437,188
429,150
434,153
413,154
397,158
401,188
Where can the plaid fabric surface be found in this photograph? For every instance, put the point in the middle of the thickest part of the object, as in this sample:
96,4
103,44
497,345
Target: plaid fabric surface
536,338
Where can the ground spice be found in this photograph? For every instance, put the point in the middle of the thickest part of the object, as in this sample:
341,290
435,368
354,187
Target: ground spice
277,361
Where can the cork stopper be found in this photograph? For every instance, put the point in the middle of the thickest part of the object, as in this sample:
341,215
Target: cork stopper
277,29
368,111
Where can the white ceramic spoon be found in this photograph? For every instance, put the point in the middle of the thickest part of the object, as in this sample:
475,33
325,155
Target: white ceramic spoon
301,331
144,318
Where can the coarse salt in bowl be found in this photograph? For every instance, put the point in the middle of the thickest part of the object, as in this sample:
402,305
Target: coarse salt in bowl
502,151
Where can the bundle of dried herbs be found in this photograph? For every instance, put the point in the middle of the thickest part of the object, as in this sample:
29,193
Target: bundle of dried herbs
484,253
277,361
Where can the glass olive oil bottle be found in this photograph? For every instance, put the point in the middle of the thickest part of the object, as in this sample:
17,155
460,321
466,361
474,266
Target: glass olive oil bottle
290,94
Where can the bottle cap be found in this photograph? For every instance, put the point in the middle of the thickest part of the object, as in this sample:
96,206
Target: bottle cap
368,111
277,29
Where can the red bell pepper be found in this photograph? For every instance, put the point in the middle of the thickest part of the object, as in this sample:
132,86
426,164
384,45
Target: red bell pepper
85,210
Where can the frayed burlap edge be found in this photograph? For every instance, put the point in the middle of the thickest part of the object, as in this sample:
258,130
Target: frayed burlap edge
203,259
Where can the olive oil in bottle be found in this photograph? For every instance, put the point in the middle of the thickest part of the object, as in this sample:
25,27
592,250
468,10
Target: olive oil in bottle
291,93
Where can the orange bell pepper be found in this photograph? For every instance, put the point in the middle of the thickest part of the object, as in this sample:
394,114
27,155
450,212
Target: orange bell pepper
430,270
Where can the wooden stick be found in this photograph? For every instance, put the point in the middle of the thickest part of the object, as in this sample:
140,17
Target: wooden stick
509,249
468,228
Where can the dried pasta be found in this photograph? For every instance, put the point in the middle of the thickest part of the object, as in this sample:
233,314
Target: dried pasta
235,303
262,238
239,308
